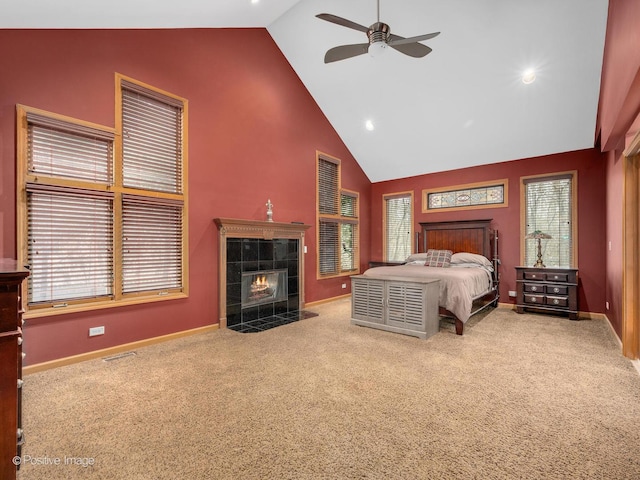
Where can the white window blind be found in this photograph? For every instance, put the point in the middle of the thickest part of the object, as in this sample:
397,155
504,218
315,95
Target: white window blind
151,244
151,140
328,187
69,229
56,148
70,243
398,228
329,247
549,210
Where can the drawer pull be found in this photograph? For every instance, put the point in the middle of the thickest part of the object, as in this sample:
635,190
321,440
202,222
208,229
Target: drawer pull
556,301
556,290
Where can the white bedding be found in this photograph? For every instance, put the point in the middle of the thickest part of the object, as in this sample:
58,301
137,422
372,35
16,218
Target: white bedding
458,285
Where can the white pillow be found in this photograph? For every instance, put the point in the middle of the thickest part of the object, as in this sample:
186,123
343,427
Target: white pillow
416,257
466,257
416,262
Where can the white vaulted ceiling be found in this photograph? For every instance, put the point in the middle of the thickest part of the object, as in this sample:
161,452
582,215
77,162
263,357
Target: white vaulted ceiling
464,104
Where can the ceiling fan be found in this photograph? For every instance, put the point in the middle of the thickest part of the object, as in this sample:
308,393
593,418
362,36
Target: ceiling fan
380,37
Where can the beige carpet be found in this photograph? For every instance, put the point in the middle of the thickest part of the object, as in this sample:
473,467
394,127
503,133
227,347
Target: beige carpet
518,397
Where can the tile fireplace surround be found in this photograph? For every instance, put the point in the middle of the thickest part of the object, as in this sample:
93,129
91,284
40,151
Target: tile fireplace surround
255,246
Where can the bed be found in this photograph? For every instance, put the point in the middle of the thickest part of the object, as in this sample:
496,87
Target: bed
469,274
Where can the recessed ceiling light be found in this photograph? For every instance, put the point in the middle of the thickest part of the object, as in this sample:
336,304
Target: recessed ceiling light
254,2
529,76
369,125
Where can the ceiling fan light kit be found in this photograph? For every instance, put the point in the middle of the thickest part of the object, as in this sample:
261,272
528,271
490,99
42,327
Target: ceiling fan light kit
379,36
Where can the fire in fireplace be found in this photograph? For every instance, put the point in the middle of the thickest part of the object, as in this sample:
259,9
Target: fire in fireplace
264,286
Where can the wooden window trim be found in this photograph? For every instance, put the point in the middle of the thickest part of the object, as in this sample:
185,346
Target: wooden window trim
574,210
504,182
116,189
391,196
338,218
631,257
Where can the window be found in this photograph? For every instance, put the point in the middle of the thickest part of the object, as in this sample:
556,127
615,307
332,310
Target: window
101,211
338,241
470,196
153,232
550,206
398,226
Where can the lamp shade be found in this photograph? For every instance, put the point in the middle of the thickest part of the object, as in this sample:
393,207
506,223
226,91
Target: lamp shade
537,234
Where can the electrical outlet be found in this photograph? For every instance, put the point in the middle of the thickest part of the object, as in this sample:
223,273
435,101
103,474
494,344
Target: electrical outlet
344,285
606,304
93,331
512,293
305,249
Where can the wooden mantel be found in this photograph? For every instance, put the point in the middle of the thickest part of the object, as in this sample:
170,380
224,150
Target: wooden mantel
236,228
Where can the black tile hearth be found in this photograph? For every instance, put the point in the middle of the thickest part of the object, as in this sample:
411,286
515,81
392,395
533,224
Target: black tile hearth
266,323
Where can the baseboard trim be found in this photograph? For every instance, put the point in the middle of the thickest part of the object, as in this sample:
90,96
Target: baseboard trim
584,315
326,300
105,352
594,316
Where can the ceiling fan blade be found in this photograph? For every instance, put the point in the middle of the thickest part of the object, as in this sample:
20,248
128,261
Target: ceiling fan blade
342,21
413,49
345,51
419,38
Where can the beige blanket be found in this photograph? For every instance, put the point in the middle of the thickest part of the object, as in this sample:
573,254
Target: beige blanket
458,286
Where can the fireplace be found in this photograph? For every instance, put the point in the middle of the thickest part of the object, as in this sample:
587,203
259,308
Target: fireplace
265,286
261,278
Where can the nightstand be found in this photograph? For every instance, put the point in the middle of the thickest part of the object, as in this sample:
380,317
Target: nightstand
383,264
550,290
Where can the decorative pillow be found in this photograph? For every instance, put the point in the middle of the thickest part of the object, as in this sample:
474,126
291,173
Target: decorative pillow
438,258
466,257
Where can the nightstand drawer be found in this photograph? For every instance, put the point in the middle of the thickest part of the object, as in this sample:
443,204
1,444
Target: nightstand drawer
539,299
535,276
557,277
558,301
557,289
534,287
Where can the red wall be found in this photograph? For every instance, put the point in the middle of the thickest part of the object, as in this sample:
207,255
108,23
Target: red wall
619,107
620,86
590,165
253,134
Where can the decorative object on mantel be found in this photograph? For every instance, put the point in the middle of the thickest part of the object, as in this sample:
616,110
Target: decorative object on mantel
269,210
538,235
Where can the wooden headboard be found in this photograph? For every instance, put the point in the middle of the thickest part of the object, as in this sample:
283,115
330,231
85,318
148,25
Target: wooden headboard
474,236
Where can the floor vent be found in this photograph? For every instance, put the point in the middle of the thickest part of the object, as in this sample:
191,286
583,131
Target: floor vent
119,356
